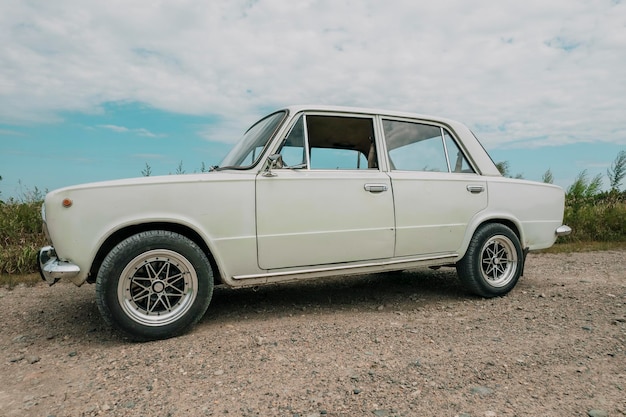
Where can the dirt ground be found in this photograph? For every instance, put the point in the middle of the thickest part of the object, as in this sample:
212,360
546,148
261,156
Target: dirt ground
405,344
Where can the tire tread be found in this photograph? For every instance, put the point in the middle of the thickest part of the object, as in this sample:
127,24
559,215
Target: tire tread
468,268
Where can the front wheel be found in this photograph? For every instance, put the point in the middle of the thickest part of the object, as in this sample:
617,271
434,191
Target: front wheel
154,285
493,262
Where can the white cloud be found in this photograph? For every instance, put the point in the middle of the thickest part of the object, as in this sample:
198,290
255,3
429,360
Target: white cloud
118,129
513,71
140,131
6,132
146,133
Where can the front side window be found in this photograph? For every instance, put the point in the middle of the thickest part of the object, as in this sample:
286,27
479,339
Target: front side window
337,158
330,142
293,150
421,147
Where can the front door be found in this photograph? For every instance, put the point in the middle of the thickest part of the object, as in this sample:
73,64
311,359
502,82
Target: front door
329,203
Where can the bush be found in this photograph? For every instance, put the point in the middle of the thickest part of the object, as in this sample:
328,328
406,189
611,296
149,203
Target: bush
21,236
600,217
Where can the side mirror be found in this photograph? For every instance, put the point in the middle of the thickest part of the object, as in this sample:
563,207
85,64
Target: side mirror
274,161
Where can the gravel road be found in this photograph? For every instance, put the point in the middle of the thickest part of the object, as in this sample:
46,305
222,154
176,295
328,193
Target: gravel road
404,344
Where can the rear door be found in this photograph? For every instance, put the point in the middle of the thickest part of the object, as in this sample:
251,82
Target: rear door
436,191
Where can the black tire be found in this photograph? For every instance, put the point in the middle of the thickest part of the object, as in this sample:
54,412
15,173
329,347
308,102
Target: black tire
154,285
493,262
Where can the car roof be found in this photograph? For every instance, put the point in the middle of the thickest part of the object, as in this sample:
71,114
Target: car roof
369,111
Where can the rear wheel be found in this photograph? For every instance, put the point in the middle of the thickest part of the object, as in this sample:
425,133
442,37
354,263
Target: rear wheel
493,262
154,285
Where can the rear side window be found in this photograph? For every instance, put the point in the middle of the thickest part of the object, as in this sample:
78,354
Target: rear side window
422,147
458,162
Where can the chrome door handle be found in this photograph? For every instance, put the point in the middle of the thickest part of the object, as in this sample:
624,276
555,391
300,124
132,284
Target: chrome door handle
375,188
475,189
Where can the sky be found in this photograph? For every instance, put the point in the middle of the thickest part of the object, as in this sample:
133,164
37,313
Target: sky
92,91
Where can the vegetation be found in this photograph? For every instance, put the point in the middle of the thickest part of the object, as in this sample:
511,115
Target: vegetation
504,169
594,215
147,171
598,218
21,236
547,177
616,173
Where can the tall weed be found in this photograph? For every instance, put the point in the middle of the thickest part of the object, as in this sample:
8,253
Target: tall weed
599,218
21,236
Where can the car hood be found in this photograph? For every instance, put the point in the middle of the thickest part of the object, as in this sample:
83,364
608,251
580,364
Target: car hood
164,180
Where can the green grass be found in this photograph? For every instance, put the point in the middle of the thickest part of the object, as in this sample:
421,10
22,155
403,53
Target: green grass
568,247
596,220
21,236
11,280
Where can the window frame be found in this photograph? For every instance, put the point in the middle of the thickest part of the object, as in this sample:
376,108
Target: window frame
373,118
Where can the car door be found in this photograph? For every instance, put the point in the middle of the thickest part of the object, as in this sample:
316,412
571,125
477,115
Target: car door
327,202
436,191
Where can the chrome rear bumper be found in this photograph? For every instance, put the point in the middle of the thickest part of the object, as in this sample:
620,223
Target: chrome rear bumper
52,269
563,230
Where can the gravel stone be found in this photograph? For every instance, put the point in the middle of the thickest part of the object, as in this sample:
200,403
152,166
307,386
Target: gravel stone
301,349
482,391
32,359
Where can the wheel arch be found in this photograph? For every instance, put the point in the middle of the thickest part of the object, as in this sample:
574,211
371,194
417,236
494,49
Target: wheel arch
505,220
125,232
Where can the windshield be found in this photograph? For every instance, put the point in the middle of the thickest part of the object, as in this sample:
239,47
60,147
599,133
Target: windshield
247,152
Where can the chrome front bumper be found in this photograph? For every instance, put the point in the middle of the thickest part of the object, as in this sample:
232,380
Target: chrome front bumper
52,269
563,230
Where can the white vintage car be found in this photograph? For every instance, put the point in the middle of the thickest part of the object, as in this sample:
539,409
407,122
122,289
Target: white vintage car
308,192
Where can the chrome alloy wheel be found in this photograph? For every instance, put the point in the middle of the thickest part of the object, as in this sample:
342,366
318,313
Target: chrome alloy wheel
157,287
498,261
